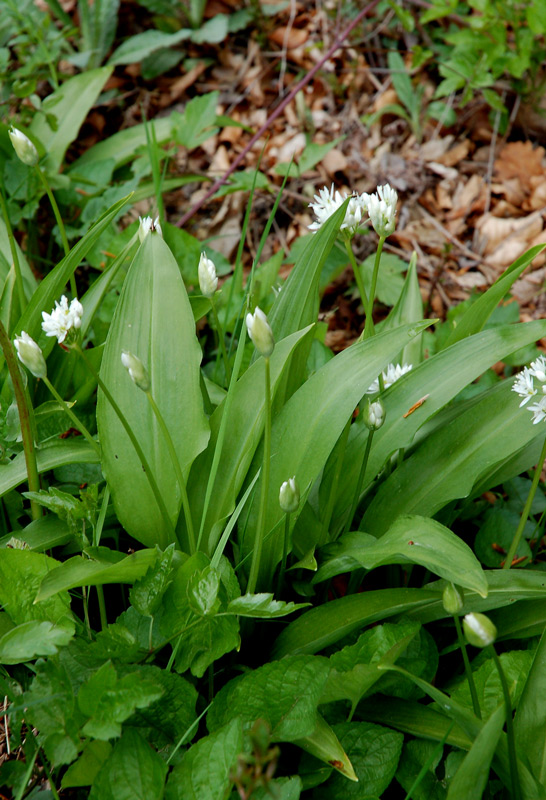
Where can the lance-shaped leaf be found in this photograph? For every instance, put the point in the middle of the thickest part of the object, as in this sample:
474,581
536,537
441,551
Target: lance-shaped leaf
154,321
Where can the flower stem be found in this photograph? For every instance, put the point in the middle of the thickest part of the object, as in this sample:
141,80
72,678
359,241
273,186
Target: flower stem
360,481
369,328
73,418
26,419
284,552
134,441
14,253
177,469
221,341
516,794
258,541
357,274
467,668
60,223
526,509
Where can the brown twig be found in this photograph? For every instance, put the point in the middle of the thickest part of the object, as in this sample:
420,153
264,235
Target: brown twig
274,114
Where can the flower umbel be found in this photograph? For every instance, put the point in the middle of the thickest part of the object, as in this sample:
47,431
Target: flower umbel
208,279
382,209
25,149
147,224
63,319
30,355
327,201
524,385
390,376
260,332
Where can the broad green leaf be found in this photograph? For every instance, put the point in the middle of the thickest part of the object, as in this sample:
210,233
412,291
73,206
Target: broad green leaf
84,771
196,124
522,620
205,769
52,286
138,47
409,308
69,451
374,752
153,320
283,693
69,104
29,281
282,788
415,540
146,593
452,459
81,571
202,591
32,639
471,778
416,771
263,606
21,573
323,743
516,665
441,377
479,312
122,146
315,417
133,772
402,81
530,721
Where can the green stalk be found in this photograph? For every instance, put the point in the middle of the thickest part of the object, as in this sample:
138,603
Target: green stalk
221,341
73,418
14,254
134,441
284,552
359,483
357,274
102,607
60,223
514,779
26,419
526,509
176,464
369,328
258,541
468,668
327,518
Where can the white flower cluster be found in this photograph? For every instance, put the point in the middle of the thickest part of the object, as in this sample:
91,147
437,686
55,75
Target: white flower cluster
379,206
63,319
524,385
390,376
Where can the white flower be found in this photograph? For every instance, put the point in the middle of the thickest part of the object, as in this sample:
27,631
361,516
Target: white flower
390,376
25,149
208,279
382,209
63,319
260,332
289,496
539,410
148,224
375,415
136,369
30,355
327,201
538,369
524,385
479,630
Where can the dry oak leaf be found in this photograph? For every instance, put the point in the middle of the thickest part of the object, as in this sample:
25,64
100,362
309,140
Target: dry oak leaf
520,160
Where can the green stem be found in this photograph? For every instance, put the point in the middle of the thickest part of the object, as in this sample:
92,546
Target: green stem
369,328
526,509
467,668
73,418
516,794
60,223
134,441
26,419
284,552
221,341
258,541
359,483
342,446
14,253
176,464
357,274
102,608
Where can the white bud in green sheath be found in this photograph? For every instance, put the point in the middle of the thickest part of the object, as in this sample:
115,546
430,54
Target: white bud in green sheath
147,224
30,355
25,149
453,599
260,332
289,496
374,415
382,209
136,369
208,279
479,630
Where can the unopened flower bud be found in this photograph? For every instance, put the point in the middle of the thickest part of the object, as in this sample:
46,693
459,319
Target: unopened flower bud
147,224
260,332
382,210
453,599
30,355
208,280
25,149
479,630
374,415
136,369
289,496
